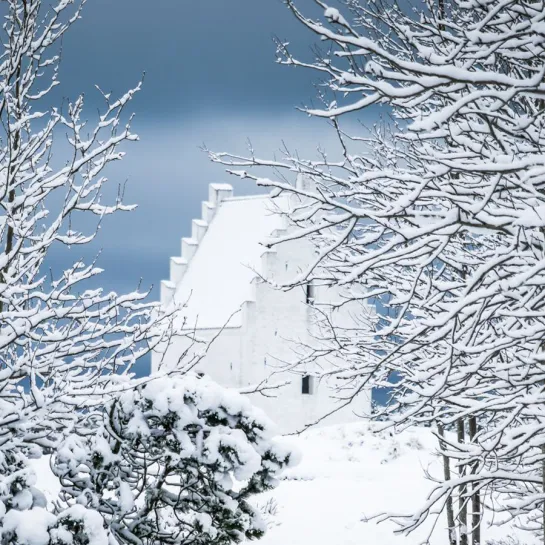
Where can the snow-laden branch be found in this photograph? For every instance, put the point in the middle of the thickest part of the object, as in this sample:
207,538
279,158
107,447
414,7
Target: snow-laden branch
438,220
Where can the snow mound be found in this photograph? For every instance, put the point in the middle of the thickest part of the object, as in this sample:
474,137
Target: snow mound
348,474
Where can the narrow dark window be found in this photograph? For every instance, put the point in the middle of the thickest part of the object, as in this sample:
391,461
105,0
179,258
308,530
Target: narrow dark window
306,385
310,294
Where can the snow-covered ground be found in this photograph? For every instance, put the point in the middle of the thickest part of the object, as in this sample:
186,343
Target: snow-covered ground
347,473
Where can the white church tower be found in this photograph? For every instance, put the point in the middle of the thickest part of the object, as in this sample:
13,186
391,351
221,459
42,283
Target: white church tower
257,331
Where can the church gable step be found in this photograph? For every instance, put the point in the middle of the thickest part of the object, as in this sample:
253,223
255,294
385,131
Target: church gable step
207,211
178,267
219,192
167,291
198,229
189,248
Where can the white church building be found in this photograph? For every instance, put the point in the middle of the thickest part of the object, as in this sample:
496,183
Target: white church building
257,332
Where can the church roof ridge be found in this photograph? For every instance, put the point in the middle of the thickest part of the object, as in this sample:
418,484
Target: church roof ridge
247,197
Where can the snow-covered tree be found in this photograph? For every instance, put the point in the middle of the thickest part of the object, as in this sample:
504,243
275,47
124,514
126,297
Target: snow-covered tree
164,459
162,464
440,218
61,339
65,345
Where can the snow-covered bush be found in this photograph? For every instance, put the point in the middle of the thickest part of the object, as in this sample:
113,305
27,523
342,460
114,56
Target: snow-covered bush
17,484
175,460
505,541
25,518
37,526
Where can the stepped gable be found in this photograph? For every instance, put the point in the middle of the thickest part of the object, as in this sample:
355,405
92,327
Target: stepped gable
219,262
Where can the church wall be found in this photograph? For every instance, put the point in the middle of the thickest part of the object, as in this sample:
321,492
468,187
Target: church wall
279,333
222,360
274,326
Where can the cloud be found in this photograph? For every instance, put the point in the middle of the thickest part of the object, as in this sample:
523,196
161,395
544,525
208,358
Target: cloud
169,175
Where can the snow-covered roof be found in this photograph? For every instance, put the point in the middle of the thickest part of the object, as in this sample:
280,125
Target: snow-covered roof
222,257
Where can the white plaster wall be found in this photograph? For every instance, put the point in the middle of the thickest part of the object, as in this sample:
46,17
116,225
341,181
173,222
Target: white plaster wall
269,341
277,334
222,360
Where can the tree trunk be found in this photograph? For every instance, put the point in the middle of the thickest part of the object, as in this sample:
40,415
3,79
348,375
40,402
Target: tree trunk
475,497
462,499
441,6
11,170
543,488
450,509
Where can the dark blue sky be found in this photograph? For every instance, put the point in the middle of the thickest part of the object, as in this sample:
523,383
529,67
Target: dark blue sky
210,55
